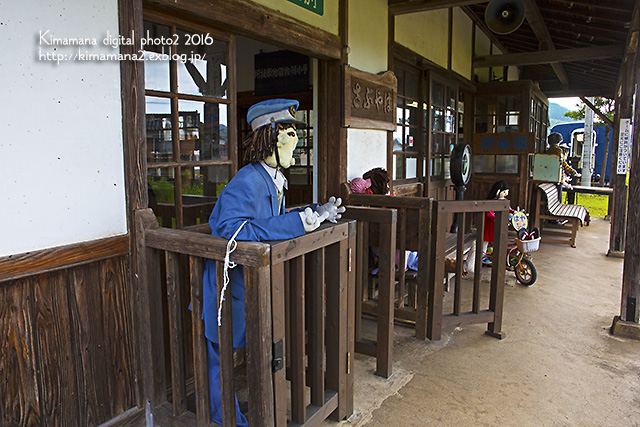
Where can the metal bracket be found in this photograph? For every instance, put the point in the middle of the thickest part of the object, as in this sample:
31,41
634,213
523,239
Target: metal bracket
278,356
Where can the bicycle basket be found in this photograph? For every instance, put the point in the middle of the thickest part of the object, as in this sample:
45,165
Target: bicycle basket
526,246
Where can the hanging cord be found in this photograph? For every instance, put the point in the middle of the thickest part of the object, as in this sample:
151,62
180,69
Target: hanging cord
231,246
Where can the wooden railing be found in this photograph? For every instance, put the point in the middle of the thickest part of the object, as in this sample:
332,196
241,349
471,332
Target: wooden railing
413,233
297,292
376,226
423,225
481,311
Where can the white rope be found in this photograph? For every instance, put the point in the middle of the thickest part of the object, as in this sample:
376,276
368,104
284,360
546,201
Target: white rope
231,246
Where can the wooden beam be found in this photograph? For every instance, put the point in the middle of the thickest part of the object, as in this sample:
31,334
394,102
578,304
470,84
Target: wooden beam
549,56
606,92
408,6
597,112
43,261
536,22
600,5
247,18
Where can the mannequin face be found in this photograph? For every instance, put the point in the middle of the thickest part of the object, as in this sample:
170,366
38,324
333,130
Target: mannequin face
503,194
287,141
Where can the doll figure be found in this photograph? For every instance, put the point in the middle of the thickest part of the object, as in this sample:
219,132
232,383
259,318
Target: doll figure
499,191
252,208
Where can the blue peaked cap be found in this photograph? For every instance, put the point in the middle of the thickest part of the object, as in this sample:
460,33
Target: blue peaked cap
273,111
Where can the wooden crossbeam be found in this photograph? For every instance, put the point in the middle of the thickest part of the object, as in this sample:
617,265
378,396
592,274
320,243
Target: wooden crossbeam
404,7
549,56
536,22
597,112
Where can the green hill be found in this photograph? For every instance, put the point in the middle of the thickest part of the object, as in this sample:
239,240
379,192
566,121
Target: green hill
556,114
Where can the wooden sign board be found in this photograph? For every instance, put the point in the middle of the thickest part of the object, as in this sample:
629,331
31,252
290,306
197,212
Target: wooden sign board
315,6
370,99
504,143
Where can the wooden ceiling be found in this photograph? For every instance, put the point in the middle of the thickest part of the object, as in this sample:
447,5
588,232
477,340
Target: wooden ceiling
571,48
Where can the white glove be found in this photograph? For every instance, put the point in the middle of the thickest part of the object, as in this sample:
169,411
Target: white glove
312,220
333,208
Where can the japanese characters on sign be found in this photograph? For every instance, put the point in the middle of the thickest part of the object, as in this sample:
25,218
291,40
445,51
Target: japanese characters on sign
504,143
623,146
366,96
370,100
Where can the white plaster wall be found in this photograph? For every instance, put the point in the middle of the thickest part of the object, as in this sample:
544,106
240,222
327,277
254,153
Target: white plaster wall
368,35
426,33
366,149
62,174
462,37
368,40
513,73
328,21
483,47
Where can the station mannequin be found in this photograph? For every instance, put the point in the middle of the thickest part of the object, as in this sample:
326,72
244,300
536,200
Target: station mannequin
251,207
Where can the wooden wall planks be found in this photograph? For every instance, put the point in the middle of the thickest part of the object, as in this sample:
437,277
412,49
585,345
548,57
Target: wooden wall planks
18,384
67,352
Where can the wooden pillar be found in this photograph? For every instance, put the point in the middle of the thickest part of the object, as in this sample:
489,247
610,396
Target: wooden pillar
135,168
624,100
627,323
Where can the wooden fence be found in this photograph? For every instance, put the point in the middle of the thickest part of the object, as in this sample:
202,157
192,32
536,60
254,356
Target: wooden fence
297,292
491,312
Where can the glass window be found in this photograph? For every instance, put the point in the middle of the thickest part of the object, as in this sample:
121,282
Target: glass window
158,126
187,122
507,163
484,163
446,109
408,138
204,70
156,58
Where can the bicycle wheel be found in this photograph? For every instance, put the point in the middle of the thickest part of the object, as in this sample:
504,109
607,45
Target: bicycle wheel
512,258
526,272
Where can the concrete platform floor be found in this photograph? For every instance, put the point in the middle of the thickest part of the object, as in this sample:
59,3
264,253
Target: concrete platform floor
557,366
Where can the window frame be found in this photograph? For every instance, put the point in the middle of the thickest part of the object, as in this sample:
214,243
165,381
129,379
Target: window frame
176,164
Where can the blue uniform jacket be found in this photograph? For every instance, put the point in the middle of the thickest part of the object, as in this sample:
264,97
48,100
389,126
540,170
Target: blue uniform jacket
252,196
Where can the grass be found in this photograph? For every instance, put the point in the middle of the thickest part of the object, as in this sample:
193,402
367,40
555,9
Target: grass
596,204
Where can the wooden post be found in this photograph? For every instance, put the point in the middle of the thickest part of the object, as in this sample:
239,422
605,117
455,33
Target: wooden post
384,348
135,167
225,350
278,328
337,351
298,401
257,294
627,323
436,274
624,100
176,333
496,295
149,299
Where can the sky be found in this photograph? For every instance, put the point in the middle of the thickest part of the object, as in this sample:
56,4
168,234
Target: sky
569,103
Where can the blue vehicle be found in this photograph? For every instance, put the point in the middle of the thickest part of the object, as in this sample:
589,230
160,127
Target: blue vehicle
573,134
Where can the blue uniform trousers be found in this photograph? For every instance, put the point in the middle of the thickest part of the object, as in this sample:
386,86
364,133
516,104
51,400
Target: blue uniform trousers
215,397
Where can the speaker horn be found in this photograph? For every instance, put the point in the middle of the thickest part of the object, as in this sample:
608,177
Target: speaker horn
504,16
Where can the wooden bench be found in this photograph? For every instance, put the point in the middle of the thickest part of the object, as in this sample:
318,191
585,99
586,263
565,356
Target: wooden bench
575,215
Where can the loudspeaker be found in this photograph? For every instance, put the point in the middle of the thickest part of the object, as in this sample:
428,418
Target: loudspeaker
504,16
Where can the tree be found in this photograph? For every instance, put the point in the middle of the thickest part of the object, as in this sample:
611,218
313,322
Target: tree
606,107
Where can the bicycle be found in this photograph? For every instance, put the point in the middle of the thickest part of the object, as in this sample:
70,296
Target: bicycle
518,259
